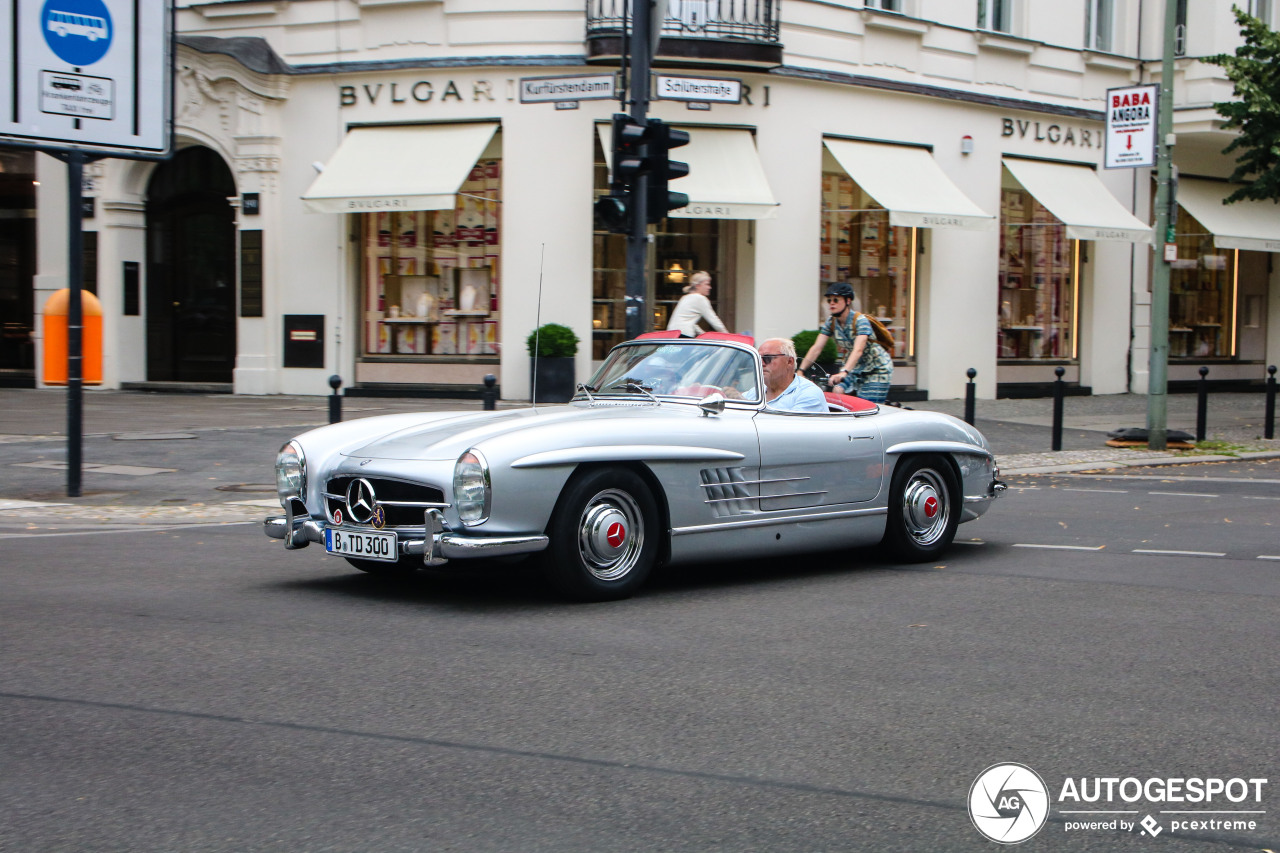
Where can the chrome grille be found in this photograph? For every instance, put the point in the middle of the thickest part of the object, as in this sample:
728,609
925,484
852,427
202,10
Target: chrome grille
403,502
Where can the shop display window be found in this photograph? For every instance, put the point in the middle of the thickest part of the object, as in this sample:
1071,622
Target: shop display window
430,277
678,249
1202,288
858,245
1039,271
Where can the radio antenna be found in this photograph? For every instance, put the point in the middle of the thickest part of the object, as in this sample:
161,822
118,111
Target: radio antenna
537,329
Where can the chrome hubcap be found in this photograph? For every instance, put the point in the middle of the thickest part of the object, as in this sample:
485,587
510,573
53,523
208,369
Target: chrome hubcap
610,534
926,507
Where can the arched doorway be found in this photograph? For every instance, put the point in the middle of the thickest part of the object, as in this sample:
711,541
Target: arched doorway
191,278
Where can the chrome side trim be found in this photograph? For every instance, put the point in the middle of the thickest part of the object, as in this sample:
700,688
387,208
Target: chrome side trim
782,519
753,482
763,497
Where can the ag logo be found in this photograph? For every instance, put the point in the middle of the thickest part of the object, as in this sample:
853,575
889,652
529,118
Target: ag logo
1008,803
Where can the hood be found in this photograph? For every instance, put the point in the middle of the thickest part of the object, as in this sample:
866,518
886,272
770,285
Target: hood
448,437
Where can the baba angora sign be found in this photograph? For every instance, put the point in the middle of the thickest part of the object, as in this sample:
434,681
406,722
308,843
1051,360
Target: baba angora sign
1131,126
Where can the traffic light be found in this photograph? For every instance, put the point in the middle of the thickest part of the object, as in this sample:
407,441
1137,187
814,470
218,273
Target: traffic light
613,211
661,139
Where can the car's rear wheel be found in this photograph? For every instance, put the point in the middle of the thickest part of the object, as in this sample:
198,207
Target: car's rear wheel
399,569
604,535
924,508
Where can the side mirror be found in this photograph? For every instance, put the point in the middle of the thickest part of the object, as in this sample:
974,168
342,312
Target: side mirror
712,404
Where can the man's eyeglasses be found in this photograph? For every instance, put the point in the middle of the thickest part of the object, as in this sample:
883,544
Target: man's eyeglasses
768,358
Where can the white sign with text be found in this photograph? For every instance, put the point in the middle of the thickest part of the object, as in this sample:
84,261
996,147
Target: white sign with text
1131,126
95,75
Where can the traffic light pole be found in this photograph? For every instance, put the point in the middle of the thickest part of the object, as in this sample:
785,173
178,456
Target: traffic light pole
638,315
1158,363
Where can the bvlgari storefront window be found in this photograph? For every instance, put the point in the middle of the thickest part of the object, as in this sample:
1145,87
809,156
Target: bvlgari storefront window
858,245
430,277
1039,270
1202,290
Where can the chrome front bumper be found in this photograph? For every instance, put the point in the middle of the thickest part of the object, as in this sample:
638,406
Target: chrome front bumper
435,549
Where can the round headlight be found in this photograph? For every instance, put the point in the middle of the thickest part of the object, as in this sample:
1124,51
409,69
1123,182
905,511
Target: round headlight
291,471
471,491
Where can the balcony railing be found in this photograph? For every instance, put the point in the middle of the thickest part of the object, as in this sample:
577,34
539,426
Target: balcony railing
711,31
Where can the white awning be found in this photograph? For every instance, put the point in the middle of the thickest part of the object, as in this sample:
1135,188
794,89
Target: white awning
402,167
1253,225
725,180
1075,195
909,183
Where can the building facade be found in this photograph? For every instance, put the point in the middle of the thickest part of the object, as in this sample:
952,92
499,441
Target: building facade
394,192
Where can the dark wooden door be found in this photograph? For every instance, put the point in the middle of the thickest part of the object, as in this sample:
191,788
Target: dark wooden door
191,284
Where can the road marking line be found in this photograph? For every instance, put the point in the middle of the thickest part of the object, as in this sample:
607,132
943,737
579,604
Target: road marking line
1184,494
1171,478
1268,557
1260,497
1179,553
1063,547
1108,491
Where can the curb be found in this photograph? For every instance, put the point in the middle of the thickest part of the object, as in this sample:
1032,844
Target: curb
1153,461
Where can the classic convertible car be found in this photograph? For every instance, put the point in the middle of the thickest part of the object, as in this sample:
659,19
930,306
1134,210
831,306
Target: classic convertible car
669,455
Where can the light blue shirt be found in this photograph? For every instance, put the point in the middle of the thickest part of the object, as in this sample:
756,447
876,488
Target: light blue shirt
801,396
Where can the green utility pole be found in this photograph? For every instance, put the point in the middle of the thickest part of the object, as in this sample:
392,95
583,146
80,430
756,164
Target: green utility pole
1158,365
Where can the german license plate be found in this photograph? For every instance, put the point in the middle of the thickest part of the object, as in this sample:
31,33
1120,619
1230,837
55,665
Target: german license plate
366,544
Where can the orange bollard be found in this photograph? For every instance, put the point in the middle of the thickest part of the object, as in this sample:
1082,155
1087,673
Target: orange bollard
56,311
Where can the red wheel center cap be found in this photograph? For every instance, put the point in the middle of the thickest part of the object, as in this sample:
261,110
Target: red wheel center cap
930,506
616,534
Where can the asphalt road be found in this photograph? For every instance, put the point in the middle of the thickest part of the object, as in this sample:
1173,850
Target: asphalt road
200,689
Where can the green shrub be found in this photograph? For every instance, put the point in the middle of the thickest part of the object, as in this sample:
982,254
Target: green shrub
804,340
553,341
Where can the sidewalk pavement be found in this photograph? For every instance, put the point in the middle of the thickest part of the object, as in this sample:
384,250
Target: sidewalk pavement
181,459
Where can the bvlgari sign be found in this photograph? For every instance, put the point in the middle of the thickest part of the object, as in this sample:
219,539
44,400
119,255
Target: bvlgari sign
1131,126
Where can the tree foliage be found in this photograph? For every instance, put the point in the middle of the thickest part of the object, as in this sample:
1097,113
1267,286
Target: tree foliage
1255,71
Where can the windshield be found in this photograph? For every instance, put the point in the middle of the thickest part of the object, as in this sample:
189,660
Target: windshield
679,370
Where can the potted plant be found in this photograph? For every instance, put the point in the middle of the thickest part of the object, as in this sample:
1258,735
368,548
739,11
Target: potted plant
551,351
826,359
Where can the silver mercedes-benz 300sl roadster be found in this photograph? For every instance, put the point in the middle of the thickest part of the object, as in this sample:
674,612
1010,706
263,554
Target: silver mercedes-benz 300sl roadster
669,455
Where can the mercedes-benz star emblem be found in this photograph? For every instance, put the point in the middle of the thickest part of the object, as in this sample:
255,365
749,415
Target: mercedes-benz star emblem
361,501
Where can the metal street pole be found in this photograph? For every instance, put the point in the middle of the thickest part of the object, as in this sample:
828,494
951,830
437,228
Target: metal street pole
75,319
638,318
1158,365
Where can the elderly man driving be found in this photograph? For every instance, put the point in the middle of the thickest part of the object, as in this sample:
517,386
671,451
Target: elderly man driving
786,390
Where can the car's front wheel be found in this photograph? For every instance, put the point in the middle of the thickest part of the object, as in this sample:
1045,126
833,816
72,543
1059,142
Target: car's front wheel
924,508
604,535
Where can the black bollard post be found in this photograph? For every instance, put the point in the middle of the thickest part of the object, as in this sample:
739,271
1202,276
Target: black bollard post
1269,426
1202,403
490,394
335,399
1058,388
969,392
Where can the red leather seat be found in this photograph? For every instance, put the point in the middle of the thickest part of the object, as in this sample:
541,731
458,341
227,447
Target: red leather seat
847,403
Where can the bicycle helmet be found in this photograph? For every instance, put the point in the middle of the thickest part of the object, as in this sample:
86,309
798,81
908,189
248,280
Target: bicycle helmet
840,288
